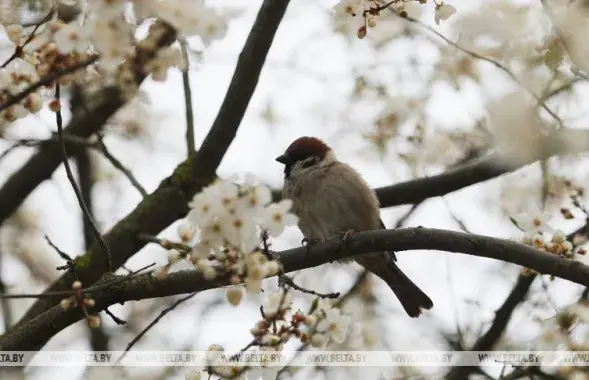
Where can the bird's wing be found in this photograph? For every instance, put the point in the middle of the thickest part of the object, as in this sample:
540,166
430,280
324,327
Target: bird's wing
382,226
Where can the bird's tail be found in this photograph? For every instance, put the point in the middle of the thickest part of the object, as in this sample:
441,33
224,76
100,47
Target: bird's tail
411,297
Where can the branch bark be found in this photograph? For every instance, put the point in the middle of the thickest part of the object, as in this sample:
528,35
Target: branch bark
38,330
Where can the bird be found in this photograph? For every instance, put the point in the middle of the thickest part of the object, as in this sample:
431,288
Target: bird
330,198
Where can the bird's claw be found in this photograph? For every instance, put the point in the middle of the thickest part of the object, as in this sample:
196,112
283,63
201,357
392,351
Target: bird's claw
348,235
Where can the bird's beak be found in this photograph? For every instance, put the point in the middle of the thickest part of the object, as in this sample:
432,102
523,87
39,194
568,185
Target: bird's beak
283,159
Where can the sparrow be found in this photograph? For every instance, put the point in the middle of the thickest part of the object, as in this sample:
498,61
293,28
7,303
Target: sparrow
330,198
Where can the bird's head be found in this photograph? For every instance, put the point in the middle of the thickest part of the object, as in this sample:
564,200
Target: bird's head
304,156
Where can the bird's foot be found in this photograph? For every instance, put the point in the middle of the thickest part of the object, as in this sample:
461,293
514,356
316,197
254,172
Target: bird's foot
346,236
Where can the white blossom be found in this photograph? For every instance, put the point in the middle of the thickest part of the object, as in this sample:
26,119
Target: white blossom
443,12
334,325
14,33
533,221
278,217
72,38
276,302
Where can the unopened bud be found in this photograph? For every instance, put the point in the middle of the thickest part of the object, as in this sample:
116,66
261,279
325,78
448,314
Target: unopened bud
361,32
209,273
89,302
566,213
310,320
66,303
77,285
93,321
234,295
54,105
318,340
160,273
186,232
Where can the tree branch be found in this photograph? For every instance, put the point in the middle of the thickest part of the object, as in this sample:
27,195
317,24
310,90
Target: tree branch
70,175
562,142
98,336
502,317
187,98
38,330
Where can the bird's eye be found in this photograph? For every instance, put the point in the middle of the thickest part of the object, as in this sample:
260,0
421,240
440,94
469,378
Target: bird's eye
310,162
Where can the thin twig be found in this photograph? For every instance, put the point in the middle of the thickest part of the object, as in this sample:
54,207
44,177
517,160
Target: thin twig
101,147
47,80
61,253
187,98
132,273
359,281
284,279
407,215
70,176
270,321
289,281
167,244
482,58
117,320
153,323
456,218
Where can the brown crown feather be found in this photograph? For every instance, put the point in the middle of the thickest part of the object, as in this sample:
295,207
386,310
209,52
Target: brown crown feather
305,147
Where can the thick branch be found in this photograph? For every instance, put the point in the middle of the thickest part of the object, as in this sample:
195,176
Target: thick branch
169,202
43,327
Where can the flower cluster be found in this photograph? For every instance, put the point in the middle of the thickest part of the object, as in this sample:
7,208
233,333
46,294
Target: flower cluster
80,299
107,31
540,235
567,331
13,80
227,219
320,325
363,14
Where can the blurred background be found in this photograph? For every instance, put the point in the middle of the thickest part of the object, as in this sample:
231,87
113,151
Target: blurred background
411,99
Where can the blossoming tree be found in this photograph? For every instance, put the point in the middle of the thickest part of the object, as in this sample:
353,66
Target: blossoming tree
450,94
